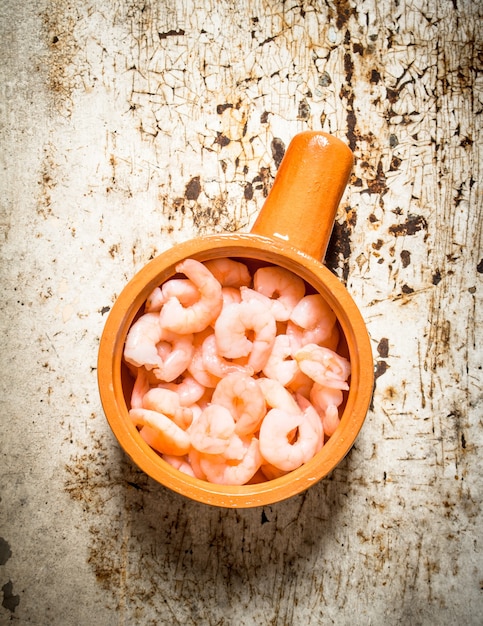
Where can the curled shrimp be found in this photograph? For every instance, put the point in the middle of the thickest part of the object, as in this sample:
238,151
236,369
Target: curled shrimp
313,418
222,471
167,402
288,440
198,316
326,400
277,396
160,432
198,371
214,433
141,387
154,301
280,285
217,365
188,389
280,364
324,366
228,272
176,356
243,397
230,295
180,463
231,328
141,341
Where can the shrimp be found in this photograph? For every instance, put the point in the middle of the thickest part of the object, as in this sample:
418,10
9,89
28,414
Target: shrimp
162,434
287,440
221,471
217,365
301,384
313,417
180,463
196,317
167,402
231,327
181,288
177,358
324,366
230,294
214,433
229,273
326,401
282,286
142,338
243,397
154,301
300,337
280,365
141,387
199,372
277,396
189,390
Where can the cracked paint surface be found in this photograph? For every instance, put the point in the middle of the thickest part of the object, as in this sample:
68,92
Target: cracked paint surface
131,126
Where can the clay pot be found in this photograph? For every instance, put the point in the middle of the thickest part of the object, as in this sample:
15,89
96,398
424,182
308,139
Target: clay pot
292,231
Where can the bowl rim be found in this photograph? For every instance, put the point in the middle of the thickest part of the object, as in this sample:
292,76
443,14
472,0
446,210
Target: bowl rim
266,250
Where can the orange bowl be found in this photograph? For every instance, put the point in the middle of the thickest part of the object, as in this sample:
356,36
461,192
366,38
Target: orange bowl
292,229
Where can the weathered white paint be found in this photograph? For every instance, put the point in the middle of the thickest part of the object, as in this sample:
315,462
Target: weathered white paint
129,126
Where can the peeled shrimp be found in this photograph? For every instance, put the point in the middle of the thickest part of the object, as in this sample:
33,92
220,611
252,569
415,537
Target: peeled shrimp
176,357
180,463
277,396
154,301
230,295
287,440
167,402
280,364
142,338
229,273
162,434
189,390
214,433
198,371
324,366
232,325
141,387
313,417
217,365
326,401
282,286
243,397
196,317
222,471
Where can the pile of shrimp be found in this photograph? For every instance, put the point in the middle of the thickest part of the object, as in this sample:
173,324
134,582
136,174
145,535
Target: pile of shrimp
237,378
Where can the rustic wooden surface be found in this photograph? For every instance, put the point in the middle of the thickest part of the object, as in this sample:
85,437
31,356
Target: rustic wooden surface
129,126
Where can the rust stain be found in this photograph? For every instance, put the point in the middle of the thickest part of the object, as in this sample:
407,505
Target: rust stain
411,226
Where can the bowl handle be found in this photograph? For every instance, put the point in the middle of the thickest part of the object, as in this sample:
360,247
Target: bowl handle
306,192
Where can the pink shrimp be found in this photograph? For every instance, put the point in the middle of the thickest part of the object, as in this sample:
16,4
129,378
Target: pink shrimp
232,325
326,401
180,463
277,396
160,432
324,366
188,389
154,301
300,337
142,338
222,471
177,358
198,371
243,397
313,417
141,387
230,295
167,402
195,318
216,364
280,285
183,289
280,364
288,440
214,432
228,272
